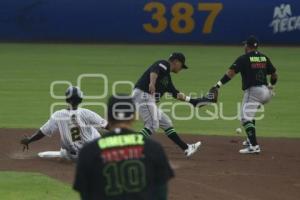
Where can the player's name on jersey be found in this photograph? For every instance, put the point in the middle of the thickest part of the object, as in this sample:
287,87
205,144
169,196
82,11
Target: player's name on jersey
121,140
258,59
258,65
123,153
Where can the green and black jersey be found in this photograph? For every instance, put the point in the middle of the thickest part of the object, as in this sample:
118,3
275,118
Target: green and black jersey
163,83
122,165
254,68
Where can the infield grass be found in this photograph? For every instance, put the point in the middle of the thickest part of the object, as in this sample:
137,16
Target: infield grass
27,70
33,186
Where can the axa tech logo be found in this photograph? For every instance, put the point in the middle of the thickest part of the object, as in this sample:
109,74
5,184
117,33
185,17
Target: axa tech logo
284,20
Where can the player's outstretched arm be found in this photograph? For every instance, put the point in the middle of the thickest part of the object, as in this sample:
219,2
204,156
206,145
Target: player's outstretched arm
211,97
226,78
27,140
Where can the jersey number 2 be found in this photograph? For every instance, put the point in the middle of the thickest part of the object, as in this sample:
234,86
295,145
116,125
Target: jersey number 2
127,177
75,133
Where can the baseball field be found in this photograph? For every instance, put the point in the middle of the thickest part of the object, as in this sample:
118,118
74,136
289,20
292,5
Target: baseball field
216,172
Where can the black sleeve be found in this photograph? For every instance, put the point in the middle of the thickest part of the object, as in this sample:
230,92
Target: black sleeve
163,171
159,68
37,136
81,183
238,64
172,89
270,68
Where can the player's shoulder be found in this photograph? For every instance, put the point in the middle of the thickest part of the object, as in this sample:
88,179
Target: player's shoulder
162,61
164,64
153,150
243,57
262,54
253,53
59,113
85,111
89,114
152,145
256,54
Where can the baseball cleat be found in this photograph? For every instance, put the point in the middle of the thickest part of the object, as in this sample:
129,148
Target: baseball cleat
192,148
246,143
250,150
50,154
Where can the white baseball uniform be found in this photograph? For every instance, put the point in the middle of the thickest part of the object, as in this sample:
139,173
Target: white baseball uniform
76,127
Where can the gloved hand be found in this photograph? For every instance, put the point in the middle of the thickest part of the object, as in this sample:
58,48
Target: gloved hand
25,142
213,94
211,97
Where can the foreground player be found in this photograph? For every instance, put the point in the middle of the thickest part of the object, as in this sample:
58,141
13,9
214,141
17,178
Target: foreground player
254,68
122,164
76,126
151,86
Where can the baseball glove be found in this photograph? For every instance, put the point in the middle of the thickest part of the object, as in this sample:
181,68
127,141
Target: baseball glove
213,94
211,97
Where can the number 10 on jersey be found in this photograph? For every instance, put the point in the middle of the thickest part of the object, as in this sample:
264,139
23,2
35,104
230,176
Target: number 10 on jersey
182,21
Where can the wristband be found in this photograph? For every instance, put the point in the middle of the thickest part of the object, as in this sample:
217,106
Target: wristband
223,81
219,84
187,98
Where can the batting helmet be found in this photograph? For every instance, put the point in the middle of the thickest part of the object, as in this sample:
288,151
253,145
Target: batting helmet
74,95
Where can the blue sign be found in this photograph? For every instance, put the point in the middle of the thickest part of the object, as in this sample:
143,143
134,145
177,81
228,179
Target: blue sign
162,21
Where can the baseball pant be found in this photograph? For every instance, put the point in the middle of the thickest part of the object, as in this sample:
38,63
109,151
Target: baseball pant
152,116
254,97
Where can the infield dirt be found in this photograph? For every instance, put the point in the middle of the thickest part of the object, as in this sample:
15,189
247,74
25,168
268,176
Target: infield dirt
216,172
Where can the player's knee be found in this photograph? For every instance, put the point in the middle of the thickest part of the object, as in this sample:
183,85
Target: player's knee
153,127
165,125
244,121
247,116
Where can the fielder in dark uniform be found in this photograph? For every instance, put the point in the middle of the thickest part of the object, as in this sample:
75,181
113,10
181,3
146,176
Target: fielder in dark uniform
123,164
254,68
151,86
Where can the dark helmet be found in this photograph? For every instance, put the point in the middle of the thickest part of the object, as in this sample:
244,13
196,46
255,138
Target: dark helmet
120,108
74,95
251,41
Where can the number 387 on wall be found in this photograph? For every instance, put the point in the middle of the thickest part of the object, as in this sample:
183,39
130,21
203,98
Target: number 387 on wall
182,20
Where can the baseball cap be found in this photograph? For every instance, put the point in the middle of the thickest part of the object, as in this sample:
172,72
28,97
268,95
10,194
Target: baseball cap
251,41
178,56
120,108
